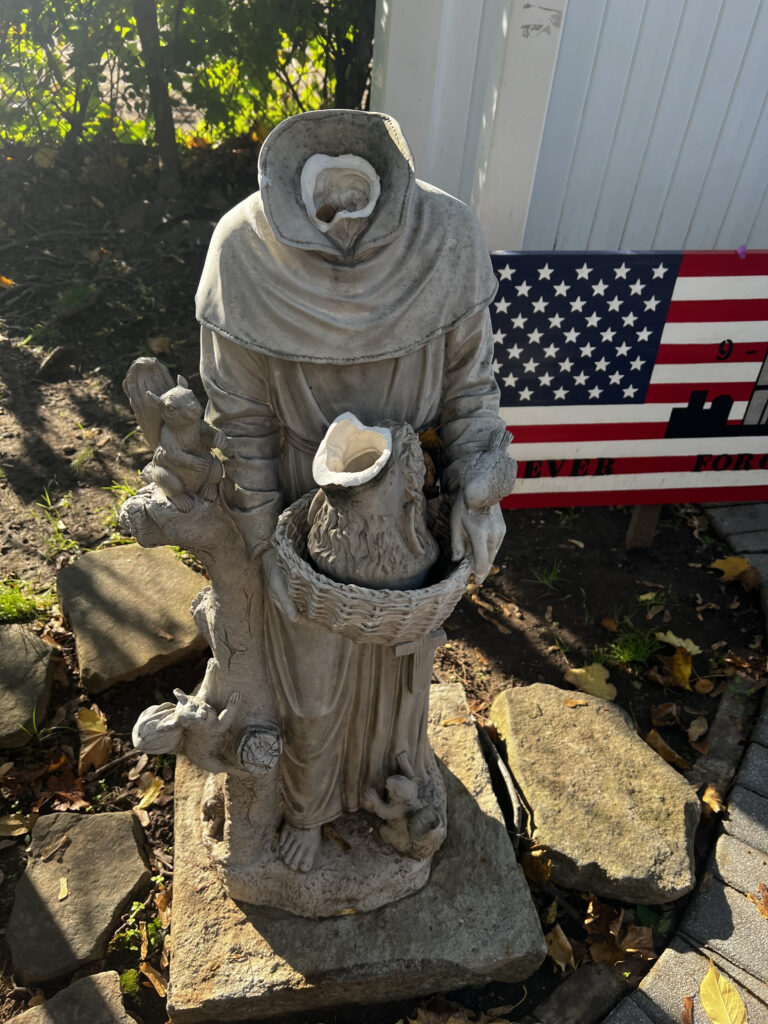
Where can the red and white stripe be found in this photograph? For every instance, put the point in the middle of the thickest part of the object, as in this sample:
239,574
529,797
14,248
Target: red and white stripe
716,296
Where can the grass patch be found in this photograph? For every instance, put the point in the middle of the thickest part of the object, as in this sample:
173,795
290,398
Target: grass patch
21,602
547,577
632,645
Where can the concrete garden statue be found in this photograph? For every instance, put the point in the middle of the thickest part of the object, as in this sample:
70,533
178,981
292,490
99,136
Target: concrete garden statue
344,313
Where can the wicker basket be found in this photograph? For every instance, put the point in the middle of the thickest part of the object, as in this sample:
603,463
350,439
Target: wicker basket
360,613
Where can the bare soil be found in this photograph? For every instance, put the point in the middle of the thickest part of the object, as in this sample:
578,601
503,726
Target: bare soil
104,269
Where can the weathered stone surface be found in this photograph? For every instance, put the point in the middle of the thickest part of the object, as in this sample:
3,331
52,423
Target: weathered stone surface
25,683
628,1012
104,870
129,608
754,769
677,973
615,818
753,542
723,919
744,518
472,922
747,817
740,865
760,734
726,742
584,997
93,1000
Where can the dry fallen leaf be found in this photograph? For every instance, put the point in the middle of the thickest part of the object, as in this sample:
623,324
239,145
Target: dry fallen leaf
687,1015
663,748
63,888
704,686
159,984
559,948
697,728
48,851
638,940
664,714
730,567
761,901
536,867
675,641
456,720
712,799
680,665
610,624
720,999
577,703
163,907
593,680
151,793
16,824
95,744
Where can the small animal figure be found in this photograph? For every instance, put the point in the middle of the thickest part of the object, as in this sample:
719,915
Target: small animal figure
191,725
171,417
409,822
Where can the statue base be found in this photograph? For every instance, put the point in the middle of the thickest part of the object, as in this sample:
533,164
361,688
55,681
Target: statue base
354,871
473,921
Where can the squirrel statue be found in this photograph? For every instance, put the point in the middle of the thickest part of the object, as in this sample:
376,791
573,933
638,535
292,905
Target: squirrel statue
170,416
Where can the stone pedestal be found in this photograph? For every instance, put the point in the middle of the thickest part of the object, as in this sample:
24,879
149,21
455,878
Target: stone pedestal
473,922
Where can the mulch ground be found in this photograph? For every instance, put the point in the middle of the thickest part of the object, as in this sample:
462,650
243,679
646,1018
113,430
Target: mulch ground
97,269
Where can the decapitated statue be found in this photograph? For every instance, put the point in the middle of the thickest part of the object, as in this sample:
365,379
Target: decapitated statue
344,314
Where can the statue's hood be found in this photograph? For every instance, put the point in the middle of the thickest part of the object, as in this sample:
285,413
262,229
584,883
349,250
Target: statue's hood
274,283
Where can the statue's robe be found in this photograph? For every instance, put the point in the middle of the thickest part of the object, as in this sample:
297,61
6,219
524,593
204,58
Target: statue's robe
293,335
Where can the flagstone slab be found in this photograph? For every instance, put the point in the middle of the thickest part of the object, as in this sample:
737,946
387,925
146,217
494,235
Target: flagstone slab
96,999
724,920
760,732
754,769
628,1012
734,519
583,997
129,608
679,972
740,865
748,817
614,818
98,872
26,675
754,541
473,922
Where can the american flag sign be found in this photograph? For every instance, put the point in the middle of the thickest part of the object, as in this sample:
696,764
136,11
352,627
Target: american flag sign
634,377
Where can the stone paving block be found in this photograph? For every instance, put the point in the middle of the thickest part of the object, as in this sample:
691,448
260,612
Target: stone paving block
96,999
678,972
748,817
129,608
103,870
760,733
724,920
756,541
26,676
734,519
754,769
622,825
583,997
739,865
628,1012
473,922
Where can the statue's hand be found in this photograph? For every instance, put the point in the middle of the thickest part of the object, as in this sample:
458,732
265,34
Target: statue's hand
476,532
277,586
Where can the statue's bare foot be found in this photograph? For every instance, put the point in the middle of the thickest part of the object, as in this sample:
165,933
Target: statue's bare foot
299,846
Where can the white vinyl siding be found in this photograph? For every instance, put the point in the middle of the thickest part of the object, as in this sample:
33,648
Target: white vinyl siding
656,135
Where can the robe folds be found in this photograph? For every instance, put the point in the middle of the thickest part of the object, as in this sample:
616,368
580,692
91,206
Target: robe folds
279,364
